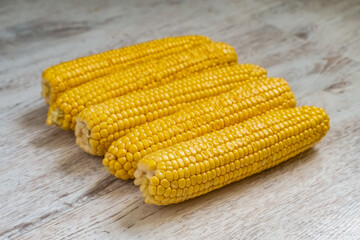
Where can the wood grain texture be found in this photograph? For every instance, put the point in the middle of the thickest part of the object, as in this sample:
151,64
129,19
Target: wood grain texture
50,189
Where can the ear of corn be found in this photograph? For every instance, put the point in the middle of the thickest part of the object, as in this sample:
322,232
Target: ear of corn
179,115
249,99
99,125
143,76
67,75
190,169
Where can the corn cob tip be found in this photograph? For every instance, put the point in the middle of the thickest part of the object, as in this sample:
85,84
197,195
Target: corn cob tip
114,166
55,117
142,174
45,90
82,134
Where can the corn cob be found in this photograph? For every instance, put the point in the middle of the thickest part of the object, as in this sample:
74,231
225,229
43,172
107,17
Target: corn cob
67,75
143,76
99,125
215,113
190,169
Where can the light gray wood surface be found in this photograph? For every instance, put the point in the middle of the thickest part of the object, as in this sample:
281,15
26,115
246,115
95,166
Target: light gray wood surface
51,189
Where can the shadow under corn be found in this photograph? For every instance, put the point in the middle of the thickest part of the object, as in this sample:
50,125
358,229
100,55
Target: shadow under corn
143,216
42,135
59,143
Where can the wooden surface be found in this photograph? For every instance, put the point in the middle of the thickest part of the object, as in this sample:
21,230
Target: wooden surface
50,189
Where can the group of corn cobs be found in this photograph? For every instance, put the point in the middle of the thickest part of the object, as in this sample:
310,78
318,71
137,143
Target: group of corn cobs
179,115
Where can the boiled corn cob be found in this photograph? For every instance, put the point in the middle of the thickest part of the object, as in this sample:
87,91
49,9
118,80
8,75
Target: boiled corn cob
99,125
190,169
148,75
215,113
67,75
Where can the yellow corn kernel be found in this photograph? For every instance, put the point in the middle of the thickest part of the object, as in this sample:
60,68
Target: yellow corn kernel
143,76
167,99
204,113
287,123
67,75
